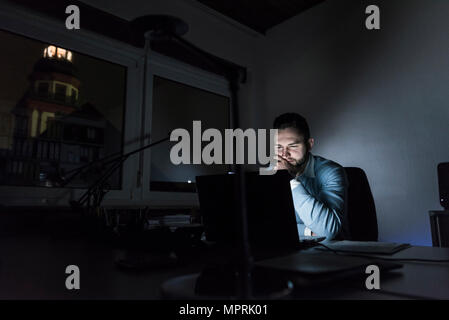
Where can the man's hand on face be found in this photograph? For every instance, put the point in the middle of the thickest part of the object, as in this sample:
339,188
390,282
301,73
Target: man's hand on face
280,165
284,164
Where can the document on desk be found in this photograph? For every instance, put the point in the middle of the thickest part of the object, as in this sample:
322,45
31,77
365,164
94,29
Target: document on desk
372,247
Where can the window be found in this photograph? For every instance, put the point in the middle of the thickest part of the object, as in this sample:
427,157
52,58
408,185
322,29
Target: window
177,105
61,53
50,52
60,92
74,96
91,134
48,111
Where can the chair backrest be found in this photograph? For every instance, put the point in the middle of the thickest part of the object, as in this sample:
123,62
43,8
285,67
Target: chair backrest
361,210
443,184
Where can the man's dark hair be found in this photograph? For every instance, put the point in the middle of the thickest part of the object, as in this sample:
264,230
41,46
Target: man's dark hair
292,120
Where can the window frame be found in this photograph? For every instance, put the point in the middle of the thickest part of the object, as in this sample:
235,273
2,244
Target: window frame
35,26
137,116
172,69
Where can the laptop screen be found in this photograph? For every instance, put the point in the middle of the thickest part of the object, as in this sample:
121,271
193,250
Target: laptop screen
270,212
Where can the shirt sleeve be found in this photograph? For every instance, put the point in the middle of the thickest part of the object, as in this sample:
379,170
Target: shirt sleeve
301,229
323,214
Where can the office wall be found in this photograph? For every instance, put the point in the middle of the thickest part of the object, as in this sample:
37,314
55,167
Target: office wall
378,100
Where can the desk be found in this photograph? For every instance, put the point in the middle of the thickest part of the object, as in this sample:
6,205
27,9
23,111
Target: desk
33,267
415,280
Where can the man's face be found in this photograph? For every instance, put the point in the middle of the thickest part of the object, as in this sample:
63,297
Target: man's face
292,147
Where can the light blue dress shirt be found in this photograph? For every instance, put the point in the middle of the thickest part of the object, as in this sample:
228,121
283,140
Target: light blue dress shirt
319,197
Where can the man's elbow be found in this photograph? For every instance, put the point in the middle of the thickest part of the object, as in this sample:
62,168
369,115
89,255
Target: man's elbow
333,231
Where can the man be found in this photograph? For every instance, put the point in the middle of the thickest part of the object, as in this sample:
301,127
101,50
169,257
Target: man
319,185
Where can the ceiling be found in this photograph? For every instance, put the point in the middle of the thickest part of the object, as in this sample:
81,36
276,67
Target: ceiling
260,15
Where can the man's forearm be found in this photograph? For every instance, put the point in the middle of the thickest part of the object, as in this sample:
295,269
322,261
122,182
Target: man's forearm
323,219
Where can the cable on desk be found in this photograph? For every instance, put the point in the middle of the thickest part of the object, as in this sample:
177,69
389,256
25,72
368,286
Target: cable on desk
345,253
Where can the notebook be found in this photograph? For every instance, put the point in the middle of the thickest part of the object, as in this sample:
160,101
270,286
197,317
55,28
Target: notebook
372,247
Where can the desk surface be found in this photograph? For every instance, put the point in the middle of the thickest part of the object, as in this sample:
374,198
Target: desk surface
33,267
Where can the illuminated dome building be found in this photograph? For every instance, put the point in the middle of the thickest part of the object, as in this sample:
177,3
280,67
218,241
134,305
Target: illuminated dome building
54,89
52,131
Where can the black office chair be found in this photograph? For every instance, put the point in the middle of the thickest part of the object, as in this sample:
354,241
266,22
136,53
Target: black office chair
361,210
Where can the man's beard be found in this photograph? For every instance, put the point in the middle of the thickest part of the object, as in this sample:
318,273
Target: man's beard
297,167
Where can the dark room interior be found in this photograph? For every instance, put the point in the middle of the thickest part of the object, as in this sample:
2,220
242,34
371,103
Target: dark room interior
120,179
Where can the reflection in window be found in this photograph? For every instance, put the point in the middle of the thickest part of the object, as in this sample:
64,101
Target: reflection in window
176,105
42,89
73,96
61,53
50,52
60,92
57,112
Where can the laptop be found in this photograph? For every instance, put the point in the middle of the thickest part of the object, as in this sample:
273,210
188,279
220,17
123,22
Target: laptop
270,213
